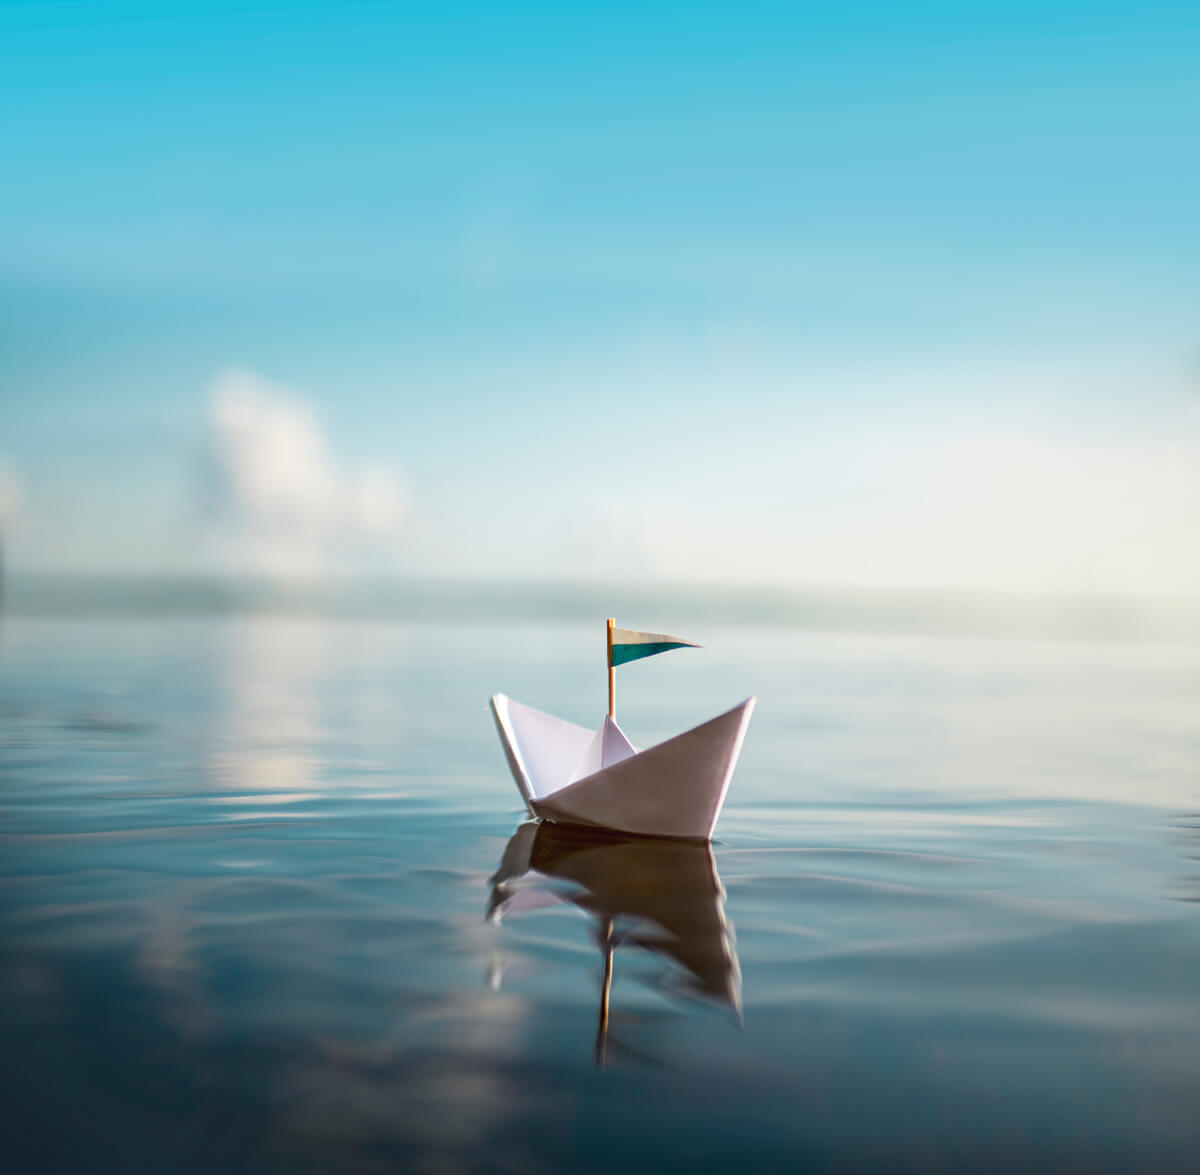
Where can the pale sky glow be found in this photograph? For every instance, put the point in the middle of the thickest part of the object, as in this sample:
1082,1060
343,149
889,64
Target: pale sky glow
756,293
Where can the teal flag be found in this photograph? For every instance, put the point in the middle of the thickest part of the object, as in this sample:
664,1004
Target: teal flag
631,645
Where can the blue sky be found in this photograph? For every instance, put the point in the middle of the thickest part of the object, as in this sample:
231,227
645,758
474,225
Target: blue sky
816,293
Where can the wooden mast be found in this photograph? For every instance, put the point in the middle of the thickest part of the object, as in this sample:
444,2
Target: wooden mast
612,676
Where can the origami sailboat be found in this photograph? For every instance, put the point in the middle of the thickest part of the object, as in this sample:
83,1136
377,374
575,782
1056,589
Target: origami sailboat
572,775
658,896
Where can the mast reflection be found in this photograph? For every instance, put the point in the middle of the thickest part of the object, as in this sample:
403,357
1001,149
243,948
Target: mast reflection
660,896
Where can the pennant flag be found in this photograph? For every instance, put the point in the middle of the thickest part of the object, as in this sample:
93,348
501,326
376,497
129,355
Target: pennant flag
629,645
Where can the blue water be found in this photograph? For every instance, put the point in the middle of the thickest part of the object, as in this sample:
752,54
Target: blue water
245,868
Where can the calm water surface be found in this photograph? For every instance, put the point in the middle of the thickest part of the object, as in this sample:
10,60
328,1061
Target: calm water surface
265,905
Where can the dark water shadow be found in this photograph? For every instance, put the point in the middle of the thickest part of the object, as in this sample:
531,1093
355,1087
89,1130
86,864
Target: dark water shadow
660,896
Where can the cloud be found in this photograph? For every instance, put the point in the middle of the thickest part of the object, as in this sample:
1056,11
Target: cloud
281,505
10,494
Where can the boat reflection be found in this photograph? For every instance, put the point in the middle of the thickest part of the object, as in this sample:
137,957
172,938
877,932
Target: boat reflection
657,895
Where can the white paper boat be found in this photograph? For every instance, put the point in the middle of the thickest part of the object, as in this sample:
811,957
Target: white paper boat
572,775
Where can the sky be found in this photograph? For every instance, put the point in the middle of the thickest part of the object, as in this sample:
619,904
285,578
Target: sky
867,295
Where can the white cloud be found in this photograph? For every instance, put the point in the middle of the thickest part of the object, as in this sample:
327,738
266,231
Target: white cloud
282,506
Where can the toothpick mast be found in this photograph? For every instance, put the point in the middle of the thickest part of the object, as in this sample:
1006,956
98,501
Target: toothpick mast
612,676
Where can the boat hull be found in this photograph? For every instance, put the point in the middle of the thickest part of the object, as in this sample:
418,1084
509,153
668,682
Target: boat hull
675,789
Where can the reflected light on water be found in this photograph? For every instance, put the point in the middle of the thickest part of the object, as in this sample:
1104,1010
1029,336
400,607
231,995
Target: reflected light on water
272,729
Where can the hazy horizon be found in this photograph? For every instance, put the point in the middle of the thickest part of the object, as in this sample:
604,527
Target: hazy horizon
710,607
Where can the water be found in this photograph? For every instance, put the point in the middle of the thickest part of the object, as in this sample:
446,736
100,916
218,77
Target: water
245,868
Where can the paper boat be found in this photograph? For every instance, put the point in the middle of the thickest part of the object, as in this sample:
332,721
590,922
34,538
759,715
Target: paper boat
597,778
